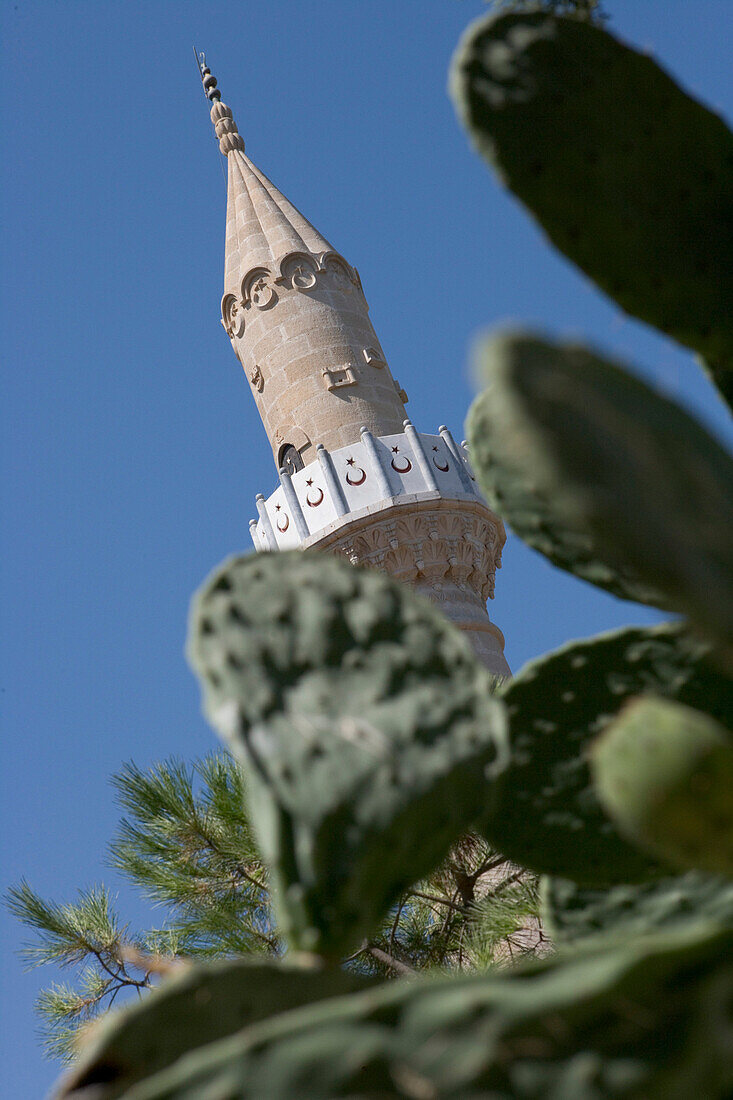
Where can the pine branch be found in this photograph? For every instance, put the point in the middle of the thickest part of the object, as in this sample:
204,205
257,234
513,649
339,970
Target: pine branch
388,960
437,900
66,934
186,842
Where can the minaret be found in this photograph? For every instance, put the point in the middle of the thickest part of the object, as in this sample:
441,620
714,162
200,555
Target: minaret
356,478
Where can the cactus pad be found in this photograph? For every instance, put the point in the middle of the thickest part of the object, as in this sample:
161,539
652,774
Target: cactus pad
198,1005
664,773
605,477
645,1020
549,818
365,726
571,913
628,176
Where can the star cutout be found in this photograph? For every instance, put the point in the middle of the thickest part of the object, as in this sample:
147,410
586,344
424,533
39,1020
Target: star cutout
350,461
435,448
395,450
277,507
309,481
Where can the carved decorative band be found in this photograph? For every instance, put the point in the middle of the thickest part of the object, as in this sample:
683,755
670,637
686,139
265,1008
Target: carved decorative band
429,547
298,271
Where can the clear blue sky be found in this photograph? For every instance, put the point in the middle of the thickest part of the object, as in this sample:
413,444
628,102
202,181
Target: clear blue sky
131,449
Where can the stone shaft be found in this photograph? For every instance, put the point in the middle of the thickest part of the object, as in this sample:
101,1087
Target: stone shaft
299,323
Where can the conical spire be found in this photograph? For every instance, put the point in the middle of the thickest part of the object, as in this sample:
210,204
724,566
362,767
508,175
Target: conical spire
296,314
262,225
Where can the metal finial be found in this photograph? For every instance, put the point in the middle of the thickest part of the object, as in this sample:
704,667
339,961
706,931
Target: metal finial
210,89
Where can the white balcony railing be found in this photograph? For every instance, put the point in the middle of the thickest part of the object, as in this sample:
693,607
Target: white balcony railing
367,476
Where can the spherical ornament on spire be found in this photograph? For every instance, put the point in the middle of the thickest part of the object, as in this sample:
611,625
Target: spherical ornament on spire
210,88
224,125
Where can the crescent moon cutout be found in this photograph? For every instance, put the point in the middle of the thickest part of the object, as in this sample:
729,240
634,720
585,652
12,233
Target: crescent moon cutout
317,501
437,465
356,480
283,523
402,469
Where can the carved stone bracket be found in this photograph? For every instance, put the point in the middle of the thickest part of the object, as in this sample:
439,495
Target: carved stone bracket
338,377
373,357
402,394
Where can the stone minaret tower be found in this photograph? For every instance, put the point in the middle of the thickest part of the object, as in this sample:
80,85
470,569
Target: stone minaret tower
356,477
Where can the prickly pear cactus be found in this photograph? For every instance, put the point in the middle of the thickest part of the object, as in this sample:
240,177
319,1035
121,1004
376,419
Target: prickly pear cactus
647,1019
606,478
365,726
571,913
364,721
549,818
628,175
198,1005
664,773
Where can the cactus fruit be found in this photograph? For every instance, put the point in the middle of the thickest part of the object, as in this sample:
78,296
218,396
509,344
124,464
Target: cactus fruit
628,176
364,723
571,913
647,1019
664,773
549,818
195,1006
606,478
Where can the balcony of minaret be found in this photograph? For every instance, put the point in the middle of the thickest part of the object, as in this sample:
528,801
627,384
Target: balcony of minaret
406,503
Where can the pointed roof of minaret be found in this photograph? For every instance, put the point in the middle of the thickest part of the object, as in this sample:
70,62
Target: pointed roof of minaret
262,225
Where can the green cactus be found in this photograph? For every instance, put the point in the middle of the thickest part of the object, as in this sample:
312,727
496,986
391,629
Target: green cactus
549,817
364,723
576,455
664,773
194,1006
571,913
627,175
647,1019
